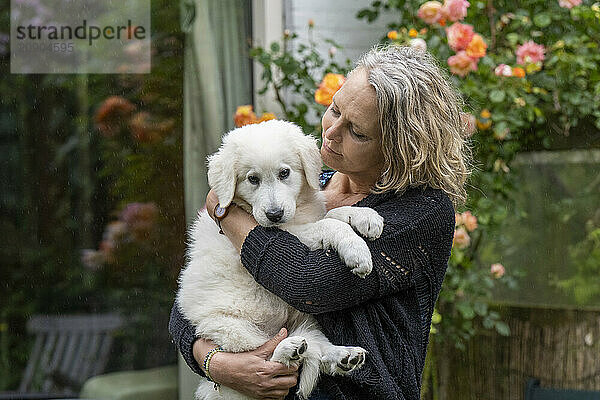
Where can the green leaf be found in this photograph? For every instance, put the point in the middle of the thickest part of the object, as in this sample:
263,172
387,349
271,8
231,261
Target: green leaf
512,38
466,310
497,96
488,323
542,20
502,328
275,47
481,308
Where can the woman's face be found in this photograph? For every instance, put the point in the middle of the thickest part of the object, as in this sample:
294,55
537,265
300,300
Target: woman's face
351,131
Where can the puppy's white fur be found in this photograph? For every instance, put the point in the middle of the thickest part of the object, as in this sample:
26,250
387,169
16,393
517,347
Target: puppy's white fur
220,297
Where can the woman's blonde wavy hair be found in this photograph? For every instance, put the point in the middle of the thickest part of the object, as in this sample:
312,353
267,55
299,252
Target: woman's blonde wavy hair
420,118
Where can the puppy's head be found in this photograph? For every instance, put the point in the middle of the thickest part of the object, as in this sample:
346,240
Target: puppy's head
265,165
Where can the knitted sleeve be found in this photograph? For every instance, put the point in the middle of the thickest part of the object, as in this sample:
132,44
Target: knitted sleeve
317,281
183,334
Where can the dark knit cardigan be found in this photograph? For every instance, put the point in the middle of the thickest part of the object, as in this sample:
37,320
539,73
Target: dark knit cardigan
388,313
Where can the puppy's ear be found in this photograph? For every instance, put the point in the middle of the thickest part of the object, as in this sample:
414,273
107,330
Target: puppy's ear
310,158
221,173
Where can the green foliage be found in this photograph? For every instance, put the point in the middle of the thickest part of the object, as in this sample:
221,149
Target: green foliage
566,91
513,114
296,72
584,284
63,182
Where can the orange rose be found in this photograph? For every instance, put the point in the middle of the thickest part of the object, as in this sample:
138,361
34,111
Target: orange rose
413,33
461,64
518,72
145,128
328,87
469,221
430,12
459,36
392,35
244,116
457,219
112,114
266,117
476,47
462,240
485,120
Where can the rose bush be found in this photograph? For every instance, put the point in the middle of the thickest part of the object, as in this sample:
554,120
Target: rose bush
529,74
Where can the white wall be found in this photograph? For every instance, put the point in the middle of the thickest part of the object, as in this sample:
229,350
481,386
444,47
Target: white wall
336,20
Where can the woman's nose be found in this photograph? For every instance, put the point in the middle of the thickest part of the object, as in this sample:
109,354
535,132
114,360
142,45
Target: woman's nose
334,131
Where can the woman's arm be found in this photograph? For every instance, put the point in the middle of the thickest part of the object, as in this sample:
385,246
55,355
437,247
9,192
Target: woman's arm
317,281
249,372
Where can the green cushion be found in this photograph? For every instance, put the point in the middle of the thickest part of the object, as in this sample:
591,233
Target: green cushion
150,384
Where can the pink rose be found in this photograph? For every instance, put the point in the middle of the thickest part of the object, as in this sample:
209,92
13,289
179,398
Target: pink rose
462,239
469,221
569,3
92,259
457,219
140,218
503,70
455,10
430,12
461,64
497,270
469,123
459,36
530,53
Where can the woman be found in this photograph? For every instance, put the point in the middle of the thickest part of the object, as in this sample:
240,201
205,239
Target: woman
393,136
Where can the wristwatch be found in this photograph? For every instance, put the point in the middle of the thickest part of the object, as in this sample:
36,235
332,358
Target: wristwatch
220,213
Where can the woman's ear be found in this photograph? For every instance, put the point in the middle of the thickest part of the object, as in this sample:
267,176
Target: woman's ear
221,173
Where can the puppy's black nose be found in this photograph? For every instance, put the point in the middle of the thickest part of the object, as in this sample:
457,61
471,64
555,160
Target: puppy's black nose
274,215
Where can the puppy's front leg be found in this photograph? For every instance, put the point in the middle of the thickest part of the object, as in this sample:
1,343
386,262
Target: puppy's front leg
335,234
365,220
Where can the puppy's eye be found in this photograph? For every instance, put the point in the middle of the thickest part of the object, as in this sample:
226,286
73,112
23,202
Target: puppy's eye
284,173
253,179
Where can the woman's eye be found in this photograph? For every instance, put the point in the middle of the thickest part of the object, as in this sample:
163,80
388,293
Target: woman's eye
284,173
253,179
334,111
358,136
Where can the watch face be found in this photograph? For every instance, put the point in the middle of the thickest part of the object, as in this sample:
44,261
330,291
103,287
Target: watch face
220,211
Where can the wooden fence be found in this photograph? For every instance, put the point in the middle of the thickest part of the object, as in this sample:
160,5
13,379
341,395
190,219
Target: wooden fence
561,347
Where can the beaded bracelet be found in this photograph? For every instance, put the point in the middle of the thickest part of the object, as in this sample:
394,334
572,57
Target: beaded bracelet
206,364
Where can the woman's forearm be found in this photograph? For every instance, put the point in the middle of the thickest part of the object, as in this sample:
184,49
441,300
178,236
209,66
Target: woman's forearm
200,349
236,225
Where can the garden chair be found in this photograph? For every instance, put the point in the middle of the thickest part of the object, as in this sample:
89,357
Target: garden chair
68,350
533,391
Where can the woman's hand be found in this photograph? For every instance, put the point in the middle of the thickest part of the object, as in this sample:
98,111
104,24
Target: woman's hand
251,373
236,225
211,201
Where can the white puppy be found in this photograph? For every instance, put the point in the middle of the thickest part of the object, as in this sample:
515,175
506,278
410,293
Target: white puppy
271,170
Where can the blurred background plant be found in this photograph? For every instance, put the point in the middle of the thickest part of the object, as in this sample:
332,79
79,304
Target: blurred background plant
528,72
92,217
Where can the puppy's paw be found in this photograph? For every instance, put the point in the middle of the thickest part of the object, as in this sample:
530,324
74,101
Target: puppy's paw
342,360
354,252
291,350
367,222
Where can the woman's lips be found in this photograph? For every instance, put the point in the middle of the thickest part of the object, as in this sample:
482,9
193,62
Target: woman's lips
330,150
